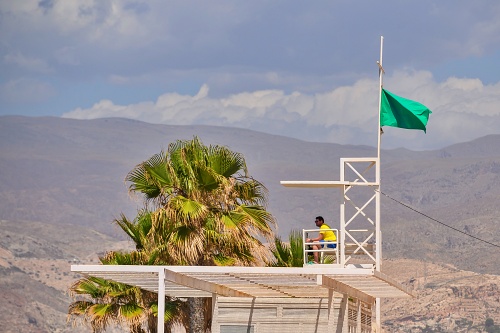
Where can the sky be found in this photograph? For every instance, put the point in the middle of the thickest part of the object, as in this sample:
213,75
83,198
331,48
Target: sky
303,69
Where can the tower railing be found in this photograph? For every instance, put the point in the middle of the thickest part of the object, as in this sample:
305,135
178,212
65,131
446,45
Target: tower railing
325,250
359,235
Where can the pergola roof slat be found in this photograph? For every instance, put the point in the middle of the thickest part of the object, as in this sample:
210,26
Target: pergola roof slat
203,281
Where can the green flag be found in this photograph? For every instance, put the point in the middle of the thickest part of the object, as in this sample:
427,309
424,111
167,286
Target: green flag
400,112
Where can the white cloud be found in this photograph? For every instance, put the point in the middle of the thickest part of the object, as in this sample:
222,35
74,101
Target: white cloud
109,23
280,67
280,40
462,109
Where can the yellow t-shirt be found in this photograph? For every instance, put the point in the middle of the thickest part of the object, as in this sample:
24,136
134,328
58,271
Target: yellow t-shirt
328,235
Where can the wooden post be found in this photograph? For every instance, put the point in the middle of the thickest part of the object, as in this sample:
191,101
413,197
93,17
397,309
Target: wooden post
332,315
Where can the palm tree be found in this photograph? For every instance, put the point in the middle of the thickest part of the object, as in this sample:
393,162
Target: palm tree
109,302
289,254
205,208
203,205
100,302
105,302
201,208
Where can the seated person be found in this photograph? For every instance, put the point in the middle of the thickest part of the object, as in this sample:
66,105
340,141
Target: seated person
324,235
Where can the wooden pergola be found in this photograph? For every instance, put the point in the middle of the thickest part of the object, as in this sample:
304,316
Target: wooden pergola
312,281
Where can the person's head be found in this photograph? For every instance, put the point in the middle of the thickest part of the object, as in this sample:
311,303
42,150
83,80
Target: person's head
319,221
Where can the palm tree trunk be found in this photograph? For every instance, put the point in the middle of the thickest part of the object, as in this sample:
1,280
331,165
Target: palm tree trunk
196,315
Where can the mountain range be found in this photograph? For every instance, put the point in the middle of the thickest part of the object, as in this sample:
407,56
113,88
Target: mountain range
71,172
440,207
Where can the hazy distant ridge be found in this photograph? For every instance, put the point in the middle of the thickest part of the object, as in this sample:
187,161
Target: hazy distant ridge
71,172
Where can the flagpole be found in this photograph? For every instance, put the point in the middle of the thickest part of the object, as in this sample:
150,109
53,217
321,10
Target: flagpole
378,235
381,83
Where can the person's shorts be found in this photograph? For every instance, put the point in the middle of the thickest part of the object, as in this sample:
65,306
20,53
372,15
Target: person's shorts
330,246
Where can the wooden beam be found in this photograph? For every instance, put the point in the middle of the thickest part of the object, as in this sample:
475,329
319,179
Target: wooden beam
199,284
393,283
346,289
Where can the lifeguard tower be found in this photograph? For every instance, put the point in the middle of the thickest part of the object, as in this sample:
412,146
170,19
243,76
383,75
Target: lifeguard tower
341,294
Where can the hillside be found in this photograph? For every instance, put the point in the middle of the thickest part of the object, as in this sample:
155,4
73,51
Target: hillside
62,186
448,299
71,172
34,272
35,259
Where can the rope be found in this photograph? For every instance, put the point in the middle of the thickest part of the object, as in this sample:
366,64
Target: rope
444,224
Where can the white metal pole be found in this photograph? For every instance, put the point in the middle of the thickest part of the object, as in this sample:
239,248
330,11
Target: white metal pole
377,315
341,241
378,238
161,301
381,83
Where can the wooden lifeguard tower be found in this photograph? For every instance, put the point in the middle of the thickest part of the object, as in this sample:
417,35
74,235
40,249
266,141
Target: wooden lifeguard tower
342,296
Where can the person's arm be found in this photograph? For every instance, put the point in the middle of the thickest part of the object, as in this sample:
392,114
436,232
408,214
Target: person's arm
320,237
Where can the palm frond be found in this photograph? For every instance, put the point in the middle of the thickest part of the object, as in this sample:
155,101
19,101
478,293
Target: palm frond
281,253
131,311
175,311
232,220
100,315
122,258
130,229
101,310
258,218
296,248
251,192
79,308
184,244
187,209
222,260
151,178
89,286
225,162
139,180
289,254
